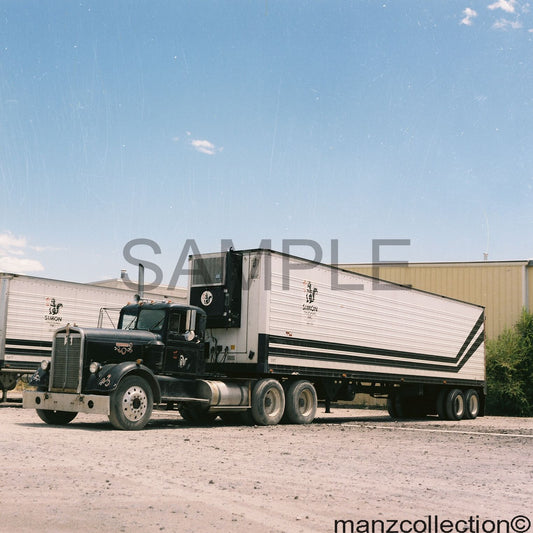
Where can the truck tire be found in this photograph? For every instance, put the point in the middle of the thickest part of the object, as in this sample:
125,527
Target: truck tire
131,404
268,402
455,405
7,382
471,404
300,403
196,414
56,418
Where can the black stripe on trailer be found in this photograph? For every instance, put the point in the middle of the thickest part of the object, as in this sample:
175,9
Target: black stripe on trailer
372,361
295,348
370,377
26,342
28,352
24,347
20,366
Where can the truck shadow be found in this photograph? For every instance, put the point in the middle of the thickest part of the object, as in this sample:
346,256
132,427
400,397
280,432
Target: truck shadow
174,422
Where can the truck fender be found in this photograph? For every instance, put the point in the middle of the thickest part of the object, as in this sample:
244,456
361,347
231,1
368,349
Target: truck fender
109,376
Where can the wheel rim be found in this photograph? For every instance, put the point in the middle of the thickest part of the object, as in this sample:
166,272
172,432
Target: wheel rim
134,403
459,405
473,405
272,403
305,402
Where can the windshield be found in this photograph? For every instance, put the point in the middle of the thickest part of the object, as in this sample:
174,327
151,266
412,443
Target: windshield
128,321
147,319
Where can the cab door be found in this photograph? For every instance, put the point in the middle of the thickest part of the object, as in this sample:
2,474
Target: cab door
184,352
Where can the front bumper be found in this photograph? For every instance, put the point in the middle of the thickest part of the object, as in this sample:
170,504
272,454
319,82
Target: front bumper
71,402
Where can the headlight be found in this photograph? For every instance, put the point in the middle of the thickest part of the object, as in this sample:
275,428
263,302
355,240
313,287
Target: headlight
94,367
45,365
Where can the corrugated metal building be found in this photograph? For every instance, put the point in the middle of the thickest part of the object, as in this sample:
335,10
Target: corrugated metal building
503,287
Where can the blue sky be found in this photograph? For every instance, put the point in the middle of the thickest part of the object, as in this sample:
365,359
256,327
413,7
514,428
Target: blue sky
320,120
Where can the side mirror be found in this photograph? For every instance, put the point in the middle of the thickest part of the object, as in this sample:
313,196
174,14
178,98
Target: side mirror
189,335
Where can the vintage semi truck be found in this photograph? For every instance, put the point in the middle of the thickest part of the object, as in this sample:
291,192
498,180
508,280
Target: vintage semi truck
33,308
264,336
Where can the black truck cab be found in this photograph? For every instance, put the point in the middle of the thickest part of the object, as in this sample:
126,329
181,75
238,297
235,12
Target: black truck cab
181,329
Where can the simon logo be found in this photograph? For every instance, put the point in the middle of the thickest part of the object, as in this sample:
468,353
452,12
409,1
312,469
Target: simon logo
310,306
53,310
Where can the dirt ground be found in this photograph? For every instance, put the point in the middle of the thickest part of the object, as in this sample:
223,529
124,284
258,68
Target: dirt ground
351,464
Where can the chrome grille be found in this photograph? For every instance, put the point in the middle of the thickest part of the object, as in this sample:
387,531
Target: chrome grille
66,362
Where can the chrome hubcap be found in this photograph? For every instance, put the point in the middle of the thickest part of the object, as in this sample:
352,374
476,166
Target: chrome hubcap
134,403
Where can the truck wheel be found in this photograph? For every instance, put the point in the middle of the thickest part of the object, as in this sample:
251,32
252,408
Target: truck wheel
455,405
196,414
3,394
300,403
131,404
471,404
56,418
268,402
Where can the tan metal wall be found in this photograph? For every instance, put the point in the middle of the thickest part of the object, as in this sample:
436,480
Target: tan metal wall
504,288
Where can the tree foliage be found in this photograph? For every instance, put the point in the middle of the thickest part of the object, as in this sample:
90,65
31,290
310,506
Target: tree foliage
510,370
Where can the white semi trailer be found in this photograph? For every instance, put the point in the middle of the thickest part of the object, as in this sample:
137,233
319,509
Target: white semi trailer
266,335
33,308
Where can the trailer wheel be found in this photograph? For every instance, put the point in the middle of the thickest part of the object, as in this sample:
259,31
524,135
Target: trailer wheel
268,402
196,414
300,403
131,404
56,418
471,404
455,405
3,394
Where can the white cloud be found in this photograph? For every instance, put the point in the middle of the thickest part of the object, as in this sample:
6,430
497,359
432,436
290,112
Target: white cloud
205,147
507,5
12,250
19,265
10,242
469,14
504,24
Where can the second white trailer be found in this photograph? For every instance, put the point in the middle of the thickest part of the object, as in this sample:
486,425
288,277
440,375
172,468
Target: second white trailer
33,308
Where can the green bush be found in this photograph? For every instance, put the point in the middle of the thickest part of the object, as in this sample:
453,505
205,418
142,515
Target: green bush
510,370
